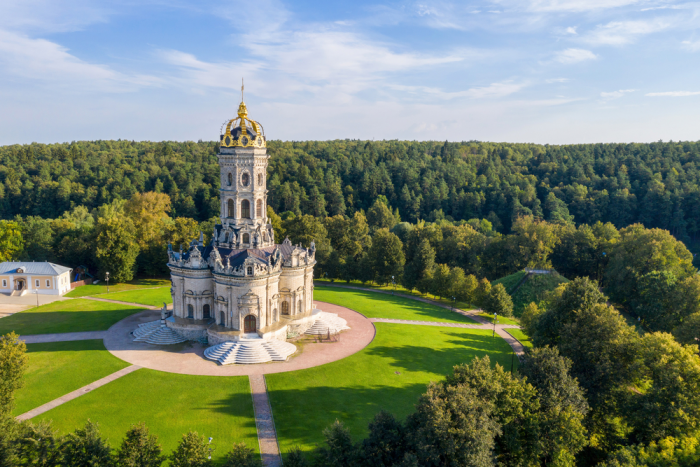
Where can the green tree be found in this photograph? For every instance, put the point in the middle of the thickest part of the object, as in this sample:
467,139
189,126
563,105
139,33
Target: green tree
139,449
191,451
36,444
669,375
499,301
38,237
688,332
386,442
379,216
306,229
86,448
13,363
116,248
386,256
420,267
338,448
441,281
276,222
296,458
639,252
10,240
242,456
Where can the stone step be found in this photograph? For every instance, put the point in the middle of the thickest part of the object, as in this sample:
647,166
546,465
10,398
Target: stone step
157,334
250,351
326,322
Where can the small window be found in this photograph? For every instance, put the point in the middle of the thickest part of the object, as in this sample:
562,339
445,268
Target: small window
260,179
258,208
245,209
190,311
299,307
246,238
250,270
231,209
245,179
36,282
285,308
230,179
48,283
4,283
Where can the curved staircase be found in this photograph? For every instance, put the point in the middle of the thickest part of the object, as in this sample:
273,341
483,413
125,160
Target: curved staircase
325,323
157,334
250,351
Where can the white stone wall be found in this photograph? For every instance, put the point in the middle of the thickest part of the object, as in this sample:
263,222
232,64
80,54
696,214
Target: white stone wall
296,286
256,296
193,287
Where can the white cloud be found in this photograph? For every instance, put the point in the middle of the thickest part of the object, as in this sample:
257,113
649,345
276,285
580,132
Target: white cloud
556,80
576,6
569,56
571,30
693,46
51,16
673,94
625,32
43,60
492,91
615,94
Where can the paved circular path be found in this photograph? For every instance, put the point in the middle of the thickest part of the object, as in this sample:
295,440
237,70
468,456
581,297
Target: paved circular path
188,358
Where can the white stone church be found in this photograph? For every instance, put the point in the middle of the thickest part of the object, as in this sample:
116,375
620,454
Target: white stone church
242,289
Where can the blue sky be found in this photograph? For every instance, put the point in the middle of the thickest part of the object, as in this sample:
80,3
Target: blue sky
544,71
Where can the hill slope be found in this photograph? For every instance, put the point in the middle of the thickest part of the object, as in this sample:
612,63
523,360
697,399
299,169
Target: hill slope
533,289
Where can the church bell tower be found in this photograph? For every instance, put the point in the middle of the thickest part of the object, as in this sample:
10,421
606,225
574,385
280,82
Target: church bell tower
243,166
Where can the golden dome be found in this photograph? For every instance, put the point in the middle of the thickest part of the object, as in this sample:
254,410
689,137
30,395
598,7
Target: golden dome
242,132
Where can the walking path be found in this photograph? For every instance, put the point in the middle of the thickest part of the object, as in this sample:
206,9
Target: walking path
148,307
267,435
63,337
77,393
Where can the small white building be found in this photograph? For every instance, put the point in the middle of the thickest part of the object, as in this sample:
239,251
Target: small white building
19,278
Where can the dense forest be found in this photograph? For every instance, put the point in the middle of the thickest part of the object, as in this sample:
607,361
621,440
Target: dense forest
655,184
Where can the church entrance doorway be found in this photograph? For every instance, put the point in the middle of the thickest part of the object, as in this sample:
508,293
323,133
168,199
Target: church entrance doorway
249,324
20,284
223,319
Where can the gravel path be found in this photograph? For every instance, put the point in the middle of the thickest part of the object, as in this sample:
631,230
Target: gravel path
77,393
267,435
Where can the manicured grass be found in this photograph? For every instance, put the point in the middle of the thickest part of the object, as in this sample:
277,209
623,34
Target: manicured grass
152,297
379,305
521,336
398,290
534,290
355,388
87,290
57,368
170,405
501,319
509,282
67,316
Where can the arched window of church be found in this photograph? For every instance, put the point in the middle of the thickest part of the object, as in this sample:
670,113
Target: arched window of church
258,208
245,179
285,308
190,311
230,179
231,209
245,209
260,179
246,238
299,307
250,270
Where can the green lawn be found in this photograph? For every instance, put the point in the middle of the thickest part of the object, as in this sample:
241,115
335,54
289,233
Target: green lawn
521,336
509,282
398,290
66,316
379,305
87,290
152,297
170,405
57,368
355,388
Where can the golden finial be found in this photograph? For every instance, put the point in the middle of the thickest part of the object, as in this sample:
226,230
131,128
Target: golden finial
242,109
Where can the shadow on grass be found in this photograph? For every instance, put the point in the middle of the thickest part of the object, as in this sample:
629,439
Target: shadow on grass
408,304
67,346
51,322
301,415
